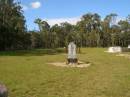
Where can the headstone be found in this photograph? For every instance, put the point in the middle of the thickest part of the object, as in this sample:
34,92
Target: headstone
116,49
72,57
3,91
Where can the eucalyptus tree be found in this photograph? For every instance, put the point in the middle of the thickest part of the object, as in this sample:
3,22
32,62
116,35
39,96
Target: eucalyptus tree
124,25
12,26
125,30
128,18
36,41
90,26
45,34
38,21
66,29
56,36
110,20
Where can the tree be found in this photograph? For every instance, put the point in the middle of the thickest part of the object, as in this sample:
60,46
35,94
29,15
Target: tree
111,19
39,22
36,41
125,30
56,35
10,2
66,29
128,18
12,26
90,27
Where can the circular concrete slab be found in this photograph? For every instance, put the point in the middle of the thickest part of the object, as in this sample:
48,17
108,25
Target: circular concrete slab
63,64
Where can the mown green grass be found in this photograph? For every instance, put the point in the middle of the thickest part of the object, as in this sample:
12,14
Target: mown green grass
27,74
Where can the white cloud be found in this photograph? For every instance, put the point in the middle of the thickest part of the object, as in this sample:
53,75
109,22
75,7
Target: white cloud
24,7
58,21
120,18
35,5
72,20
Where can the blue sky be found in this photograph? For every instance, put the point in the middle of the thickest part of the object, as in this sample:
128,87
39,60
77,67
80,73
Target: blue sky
57,11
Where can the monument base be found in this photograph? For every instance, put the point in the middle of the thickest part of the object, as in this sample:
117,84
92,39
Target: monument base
72,61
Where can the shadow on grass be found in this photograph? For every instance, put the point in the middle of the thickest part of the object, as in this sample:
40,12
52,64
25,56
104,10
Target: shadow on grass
34,52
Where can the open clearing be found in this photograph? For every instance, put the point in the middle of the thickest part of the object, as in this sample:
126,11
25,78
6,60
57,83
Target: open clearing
27,74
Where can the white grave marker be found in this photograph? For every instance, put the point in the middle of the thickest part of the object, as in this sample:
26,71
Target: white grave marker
72,58
71,50
116,49
128,46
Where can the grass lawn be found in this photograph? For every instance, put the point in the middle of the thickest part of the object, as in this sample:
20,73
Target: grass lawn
27,74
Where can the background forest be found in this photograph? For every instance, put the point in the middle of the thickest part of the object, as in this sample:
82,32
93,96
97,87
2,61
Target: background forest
90,31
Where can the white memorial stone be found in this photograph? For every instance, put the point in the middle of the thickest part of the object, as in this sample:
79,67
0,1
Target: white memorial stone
128,46
116,49
72,51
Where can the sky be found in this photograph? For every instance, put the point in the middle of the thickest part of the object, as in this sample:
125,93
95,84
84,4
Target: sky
57,11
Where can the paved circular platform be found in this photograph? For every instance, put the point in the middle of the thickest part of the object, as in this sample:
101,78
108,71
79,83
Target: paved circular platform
63,64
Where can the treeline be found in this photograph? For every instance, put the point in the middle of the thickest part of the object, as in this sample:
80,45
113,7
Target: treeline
90,31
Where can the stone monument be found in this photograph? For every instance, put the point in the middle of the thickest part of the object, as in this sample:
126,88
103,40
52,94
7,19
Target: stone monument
115,49
72,57
128,46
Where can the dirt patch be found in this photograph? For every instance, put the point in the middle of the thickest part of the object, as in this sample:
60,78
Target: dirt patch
63,64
